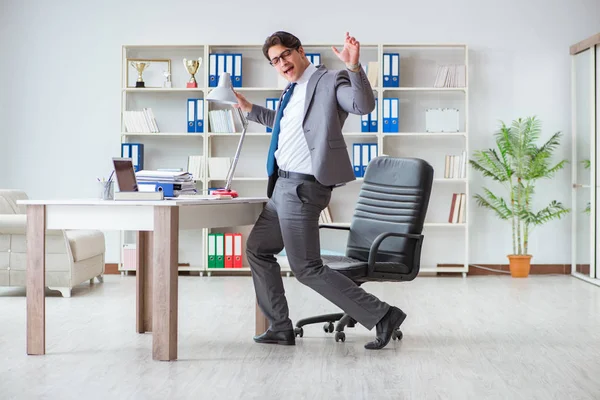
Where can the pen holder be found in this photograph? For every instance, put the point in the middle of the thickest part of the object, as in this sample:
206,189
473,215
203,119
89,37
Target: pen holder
107,190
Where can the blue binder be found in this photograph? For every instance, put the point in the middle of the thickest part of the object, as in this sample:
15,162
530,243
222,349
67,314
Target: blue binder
373,126
191,115
167,188
357,159
236,75
199,115
135,151
212,68
391,69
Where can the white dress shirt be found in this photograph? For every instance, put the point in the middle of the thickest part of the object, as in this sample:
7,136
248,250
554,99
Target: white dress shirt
292,152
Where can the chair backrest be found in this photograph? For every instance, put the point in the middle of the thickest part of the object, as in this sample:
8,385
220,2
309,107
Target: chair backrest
8,201
393,198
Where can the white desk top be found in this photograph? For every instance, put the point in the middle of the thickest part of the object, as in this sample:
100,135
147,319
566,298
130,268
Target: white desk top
165,203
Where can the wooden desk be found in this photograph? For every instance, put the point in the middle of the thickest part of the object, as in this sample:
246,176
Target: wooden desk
158,224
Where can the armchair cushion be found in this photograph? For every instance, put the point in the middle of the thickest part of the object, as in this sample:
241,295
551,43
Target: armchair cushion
85,244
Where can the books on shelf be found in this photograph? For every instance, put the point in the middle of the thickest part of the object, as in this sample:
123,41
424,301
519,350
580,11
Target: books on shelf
196,167
140,121
450,75
456,166
457,208
223,121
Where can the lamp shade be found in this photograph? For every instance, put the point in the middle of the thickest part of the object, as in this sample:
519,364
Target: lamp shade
223,93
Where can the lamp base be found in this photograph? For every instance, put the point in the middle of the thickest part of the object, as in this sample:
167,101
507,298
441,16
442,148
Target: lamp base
230,192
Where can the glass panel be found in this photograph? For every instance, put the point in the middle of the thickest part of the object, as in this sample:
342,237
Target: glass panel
583,214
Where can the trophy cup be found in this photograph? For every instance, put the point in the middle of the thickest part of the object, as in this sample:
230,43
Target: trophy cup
140,67
192,67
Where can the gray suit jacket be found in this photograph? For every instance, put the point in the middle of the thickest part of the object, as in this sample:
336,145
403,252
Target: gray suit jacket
330,96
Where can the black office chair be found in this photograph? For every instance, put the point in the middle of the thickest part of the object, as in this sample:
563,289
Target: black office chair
384,240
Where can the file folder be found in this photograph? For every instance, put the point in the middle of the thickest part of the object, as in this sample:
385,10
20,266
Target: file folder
220,66
372,151
357,159
219,252
135,151
394,111
387,70
191,115
364,158
200,116
365,123
228,250
386,115
373,117
212,250
391,69
212,75
314,58
237,71
237,250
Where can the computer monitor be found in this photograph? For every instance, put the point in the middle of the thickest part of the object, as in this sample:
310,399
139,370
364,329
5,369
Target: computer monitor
125,174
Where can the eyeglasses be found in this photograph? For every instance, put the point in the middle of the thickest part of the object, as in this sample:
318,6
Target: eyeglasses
284,55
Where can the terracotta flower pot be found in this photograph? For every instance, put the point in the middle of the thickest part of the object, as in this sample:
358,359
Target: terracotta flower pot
519,265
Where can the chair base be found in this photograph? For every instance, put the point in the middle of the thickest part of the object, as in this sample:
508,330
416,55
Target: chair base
343,320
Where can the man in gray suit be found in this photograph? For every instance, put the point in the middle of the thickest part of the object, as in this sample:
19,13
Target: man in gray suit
307,158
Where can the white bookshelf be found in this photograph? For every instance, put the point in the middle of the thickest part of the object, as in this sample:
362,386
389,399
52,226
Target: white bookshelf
445,243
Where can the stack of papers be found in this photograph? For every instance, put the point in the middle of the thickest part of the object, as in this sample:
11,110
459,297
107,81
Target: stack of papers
173,183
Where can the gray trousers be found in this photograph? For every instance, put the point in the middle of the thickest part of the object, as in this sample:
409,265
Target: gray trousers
291,219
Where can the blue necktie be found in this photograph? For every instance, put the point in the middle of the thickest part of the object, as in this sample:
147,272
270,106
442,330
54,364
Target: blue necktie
275,134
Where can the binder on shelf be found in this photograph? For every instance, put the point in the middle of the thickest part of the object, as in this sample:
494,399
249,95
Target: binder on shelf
357,159
237,70
364,158
220,66
394,112
199,115
237,250
386,115
135,151
212,75
314,58
373,118
391,69
191,115
271,104
212,250
219,252
372,151
365,123
228,263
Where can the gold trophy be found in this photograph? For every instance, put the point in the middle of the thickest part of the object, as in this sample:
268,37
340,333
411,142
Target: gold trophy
140,67
192,67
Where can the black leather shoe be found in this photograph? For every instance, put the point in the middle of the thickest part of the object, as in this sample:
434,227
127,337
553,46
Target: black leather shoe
281,337
385,327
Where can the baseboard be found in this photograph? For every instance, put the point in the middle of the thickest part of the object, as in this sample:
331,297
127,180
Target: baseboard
536,269
111,269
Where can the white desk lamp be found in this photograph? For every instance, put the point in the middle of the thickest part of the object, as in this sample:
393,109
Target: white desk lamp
224,94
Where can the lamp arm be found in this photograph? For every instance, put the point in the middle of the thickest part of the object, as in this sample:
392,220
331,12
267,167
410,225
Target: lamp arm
238,150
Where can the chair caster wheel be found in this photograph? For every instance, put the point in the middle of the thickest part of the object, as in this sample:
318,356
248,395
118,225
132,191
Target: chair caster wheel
299,332
340,336
328,327
397,335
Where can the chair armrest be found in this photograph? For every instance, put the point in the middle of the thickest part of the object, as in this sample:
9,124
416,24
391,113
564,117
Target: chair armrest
13,224
338,227
16,224
377,242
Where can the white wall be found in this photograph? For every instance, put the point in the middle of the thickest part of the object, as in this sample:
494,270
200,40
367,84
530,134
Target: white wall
60,78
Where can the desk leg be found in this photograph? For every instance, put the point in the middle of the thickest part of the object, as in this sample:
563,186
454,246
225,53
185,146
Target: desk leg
36,279
262,323
164,300
143,278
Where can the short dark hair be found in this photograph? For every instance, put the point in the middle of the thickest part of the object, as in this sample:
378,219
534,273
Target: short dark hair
283,38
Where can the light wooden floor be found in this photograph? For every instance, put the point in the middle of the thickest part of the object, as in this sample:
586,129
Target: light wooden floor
474,338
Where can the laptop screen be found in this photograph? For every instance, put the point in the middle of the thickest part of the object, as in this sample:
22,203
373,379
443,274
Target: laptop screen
125,175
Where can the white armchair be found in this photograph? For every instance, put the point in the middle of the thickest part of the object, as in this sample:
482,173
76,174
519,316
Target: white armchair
72,256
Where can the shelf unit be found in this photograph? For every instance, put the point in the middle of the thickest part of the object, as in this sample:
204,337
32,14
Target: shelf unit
418,67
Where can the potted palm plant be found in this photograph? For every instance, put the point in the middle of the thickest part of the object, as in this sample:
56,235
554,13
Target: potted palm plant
517,164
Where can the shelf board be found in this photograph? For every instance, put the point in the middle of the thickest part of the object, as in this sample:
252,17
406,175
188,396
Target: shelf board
226,134
194,134
164,90
449,180
430,134
239,179
360,133
423,89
